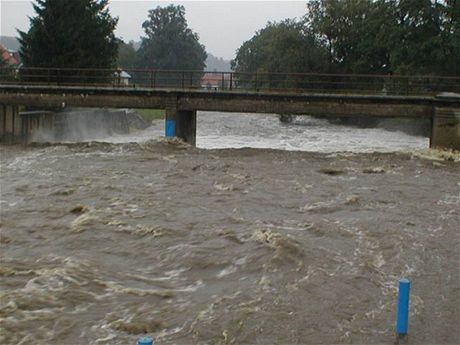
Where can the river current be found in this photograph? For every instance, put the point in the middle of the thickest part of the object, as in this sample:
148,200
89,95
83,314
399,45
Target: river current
235,130
300,239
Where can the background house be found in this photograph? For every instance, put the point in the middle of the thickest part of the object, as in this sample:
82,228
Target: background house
10,56
122,78
215,80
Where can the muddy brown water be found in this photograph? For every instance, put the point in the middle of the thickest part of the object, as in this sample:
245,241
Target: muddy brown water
101,243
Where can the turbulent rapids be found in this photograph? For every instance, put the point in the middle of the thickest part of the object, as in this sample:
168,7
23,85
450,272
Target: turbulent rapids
103,242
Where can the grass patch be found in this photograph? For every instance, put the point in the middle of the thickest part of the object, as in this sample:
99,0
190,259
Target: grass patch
151,114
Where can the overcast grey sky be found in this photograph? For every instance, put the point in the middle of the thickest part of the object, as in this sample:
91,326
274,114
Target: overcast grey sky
222,25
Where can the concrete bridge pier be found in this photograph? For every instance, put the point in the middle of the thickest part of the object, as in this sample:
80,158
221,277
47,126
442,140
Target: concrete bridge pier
184,122
445,131
10,123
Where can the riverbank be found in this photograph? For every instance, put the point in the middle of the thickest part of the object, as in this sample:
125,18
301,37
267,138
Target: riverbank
103,242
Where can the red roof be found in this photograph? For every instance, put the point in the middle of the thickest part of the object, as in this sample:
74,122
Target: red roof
213,78
12,57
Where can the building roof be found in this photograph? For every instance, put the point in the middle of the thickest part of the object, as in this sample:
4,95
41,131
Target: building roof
124,74
10,56
213,78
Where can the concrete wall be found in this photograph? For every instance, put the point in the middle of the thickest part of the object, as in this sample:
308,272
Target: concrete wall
83,124
10,123
34,122
446,128
59,125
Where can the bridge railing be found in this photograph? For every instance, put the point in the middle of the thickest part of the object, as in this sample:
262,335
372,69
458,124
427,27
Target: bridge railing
233,81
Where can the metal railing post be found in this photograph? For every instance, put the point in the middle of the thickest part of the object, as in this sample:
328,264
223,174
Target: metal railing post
231,81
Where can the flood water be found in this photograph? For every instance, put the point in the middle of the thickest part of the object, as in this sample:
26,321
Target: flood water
102,242
236,130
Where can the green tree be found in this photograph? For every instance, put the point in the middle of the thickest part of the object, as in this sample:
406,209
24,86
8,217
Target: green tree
389,36
450,36
357,33
417,32
169,43
284,47
126,55
428,37
70,34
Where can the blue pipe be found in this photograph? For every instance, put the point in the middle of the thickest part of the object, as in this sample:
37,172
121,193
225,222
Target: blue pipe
402,323
145,341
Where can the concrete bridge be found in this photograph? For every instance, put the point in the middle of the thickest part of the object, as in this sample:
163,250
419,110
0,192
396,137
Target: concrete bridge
185,96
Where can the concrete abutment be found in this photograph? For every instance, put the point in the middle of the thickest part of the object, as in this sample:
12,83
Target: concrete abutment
10,123
57,125
445,131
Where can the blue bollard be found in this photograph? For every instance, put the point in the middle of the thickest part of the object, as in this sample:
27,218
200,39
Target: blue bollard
402,323
170,128
145,341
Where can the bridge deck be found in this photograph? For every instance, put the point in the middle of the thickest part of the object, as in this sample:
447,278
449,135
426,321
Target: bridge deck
199,99
181,105
148,91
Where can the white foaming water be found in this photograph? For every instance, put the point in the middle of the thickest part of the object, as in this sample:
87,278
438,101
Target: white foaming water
238,130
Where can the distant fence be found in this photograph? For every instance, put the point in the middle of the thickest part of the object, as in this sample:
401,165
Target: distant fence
234,81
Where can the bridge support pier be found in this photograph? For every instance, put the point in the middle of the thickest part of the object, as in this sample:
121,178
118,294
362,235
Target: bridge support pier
10,123
185,124
445,131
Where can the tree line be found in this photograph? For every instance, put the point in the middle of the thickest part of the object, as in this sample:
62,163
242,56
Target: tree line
334,36
80,34
360,36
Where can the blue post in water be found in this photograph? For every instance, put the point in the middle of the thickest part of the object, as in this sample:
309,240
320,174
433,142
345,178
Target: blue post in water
170,128
145,341
402,323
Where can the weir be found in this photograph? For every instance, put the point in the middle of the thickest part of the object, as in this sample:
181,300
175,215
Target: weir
18,126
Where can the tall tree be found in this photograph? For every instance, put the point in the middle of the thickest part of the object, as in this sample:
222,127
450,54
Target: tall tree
428,36
417,32
126,55
281,47
169,43
357,33
70,33
389,36
450,34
